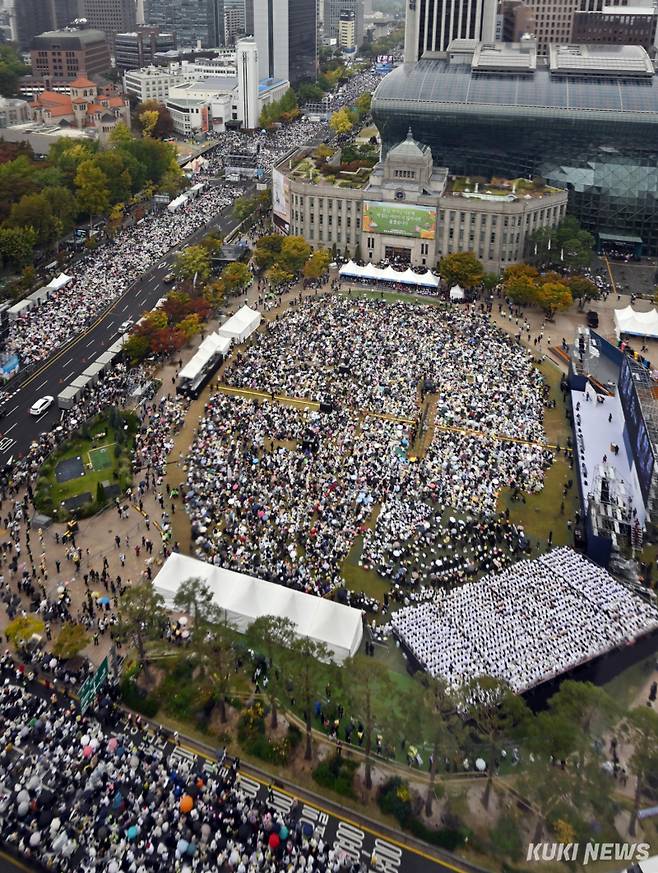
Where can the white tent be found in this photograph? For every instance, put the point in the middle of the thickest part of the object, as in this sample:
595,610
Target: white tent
213,346
388,274
241,325
19,309
246,598
457,293
59,282
636,323
177,203
40,295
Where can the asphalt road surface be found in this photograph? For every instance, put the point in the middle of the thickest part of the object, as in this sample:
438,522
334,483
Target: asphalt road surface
18,428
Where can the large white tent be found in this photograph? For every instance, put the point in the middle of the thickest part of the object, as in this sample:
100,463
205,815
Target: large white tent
241,325
213,346
634,323
370,273
59,282
246,598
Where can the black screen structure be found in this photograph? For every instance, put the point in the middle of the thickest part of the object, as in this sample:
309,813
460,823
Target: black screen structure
637,430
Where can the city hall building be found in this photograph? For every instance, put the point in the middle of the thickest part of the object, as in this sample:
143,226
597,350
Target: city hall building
585,118
406,208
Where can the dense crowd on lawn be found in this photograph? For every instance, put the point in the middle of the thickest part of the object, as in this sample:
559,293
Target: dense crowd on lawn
88,795
282,492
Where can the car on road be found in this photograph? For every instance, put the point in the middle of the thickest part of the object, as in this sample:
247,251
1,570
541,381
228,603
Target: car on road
125,326
41,405
169,278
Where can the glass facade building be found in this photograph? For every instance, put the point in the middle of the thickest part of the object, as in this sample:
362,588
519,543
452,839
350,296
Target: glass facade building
594,134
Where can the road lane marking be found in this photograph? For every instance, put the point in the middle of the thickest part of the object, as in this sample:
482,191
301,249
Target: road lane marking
9,429
45,381
90,343
70,361
14,409
68,376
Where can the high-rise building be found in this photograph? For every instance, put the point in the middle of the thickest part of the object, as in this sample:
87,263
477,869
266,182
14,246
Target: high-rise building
110,16
63,55
347,30
138,48
65,12
194,21
31,17
332,12
246,58
616,25
431,25
286,36
234,23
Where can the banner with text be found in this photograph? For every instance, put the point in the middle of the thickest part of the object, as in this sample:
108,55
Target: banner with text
398,219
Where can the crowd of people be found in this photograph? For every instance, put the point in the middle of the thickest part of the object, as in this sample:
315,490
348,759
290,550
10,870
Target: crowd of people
418,414
107,273
530,622
101,796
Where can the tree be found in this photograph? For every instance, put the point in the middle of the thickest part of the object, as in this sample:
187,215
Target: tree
141,617
11,70
553,297
436,712
92,189
490,280
119,179
17,244
369,681
341,121
270,634
136,347
267,250
363,102
582,289
192,261
642,725
194,597
213,242
71,639
294,253
22,628
461,268
236,276
34,210
190,325
317,264
308,675
214,293
243,207
154,119
277,276
497,713
212,646
63,205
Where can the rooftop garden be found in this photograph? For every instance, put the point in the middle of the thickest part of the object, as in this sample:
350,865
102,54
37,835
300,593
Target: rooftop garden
346,167
498,187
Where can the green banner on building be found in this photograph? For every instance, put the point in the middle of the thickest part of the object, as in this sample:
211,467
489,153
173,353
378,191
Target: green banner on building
398,219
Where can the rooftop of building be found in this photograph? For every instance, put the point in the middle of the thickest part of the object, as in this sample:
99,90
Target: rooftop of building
83,37
497,188
210,83
54,130
268,84
575,79
346,167
625,10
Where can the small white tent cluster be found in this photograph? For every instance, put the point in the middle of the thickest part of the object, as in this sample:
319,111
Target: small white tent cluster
634,323
212,346
370,273
241,325
246,598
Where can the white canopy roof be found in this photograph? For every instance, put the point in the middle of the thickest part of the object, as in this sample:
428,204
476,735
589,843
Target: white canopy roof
177,202
22,306
636,323
388,274
241,325
40,295
211,347
457,292
246,598
59,282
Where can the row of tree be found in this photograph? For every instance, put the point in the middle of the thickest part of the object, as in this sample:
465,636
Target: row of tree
343,120
41,201
552,292
559,750
283,258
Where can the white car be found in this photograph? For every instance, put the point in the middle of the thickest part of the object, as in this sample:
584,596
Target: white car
125,326
41,405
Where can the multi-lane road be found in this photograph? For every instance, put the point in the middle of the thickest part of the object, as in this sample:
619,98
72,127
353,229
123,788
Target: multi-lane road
17,427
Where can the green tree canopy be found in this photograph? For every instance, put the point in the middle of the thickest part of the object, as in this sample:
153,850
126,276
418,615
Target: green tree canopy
272,635
141,618
21,629
306,667
294,253
92,189
35,211
341,121
17,244
11,70
193,261
72,638
461,268
236,276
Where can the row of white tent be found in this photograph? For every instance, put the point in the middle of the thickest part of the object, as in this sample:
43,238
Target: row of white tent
216,346
36,298
182,199
68,396
246,598
371,273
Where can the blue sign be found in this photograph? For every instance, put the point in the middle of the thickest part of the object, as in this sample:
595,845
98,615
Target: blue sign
637,429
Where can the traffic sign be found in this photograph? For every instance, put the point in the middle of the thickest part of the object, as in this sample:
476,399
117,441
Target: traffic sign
92,685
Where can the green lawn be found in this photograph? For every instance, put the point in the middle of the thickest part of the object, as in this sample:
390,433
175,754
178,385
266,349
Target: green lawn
95,446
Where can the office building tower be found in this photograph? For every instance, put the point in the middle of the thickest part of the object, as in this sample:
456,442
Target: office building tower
246,58
616,25
332,13
287,38
138,48
514,20
110,16
194,21
347,31
31,17
431,25
63,55
234,23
